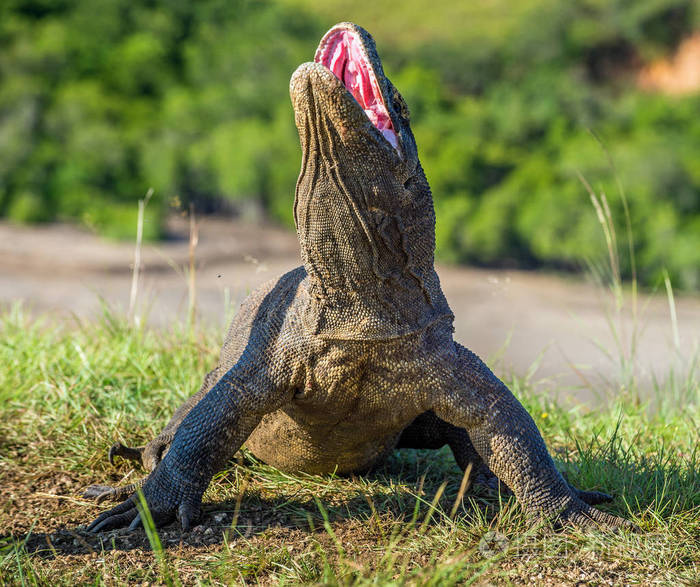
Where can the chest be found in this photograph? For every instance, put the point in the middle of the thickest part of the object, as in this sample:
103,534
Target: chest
363,384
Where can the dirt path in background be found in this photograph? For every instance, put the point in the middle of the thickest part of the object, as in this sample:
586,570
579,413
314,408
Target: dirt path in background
514,318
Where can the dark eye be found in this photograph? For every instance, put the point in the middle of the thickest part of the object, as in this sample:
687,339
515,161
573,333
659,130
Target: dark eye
400,106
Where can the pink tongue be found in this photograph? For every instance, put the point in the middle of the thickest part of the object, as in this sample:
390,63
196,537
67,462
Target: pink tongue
346,63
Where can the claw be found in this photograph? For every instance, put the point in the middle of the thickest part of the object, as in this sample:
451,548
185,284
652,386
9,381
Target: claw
125,452
593,497
610,521
581,515
101,493
186,515
135,523
114,518
114,521
98,492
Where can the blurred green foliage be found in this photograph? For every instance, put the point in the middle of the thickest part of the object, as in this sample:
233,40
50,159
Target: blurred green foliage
101,100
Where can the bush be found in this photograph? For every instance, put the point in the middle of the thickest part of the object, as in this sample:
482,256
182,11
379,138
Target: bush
100,101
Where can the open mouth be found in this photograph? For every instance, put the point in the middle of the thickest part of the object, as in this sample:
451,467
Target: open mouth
341,51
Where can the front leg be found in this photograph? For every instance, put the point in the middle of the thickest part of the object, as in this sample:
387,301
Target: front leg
213,430
150,455
508,440
429,431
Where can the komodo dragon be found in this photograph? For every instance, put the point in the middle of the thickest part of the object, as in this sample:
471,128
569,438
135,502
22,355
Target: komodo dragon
335,364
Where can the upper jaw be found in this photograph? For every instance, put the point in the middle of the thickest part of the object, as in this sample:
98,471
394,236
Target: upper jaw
314,85
349,52
341,26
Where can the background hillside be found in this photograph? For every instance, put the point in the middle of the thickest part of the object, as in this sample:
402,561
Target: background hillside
510,102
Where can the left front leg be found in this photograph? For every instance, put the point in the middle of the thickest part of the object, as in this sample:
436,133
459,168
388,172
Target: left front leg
429,431
508,440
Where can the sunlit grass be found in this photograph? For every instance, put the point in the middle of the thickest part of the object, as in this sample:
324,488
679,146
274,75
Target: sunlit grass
69,391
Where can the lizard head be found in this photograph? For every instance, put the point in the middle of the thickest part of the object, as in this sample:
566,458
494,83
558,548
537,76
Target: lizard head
363,209
349,52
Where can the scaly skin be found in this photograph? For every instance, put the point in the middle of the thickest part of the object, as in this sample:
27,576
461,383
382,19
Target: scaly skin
358,339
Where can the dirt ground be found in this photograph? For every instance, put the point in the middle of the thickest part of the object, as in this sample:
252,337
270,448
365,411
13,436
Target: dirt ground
512,318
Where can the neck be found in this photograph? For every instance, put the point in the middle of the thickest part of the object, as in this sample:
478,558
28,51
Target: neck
371,273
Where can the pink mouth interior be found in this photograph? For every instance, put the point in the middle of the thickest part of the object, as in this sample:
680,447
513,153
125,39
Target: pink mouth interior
342,53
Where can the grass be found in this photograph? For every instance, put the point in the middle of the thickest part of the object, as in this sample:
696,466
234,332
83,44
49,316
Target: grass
69,391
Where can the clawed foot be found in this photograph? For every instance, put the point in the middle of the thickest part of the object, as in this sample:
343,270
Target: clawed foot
580,514
488,479
126,452
578,511
102,493
167,496
147,456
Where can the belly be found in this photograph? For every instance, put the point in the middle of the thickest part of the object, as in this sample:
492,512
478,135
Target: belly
340,447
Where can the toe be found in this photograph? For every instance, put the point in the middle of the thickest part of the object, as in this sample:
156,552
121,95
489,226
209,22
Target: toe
114,515
126,452
114,521
136,522
97,492
187,514
610,521
584,516
593,497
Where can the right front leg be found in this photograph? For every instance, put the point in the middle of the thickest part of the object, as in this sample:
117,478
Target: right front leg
212,431
150,455
429,431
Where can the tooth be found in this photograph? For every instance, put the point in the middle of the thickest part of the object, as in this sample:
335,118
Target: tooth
390,136
372,115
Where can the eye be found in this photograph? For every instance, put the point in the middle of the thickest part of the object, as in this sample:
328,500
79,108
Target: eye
400,106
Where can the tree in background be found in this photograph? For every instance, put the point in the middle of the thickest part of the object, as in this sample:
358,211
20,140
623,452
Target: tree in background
101,100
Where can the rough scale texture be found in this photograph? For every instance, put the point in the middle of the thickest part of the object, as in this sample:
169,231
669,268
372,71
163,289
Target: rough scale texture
335,364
